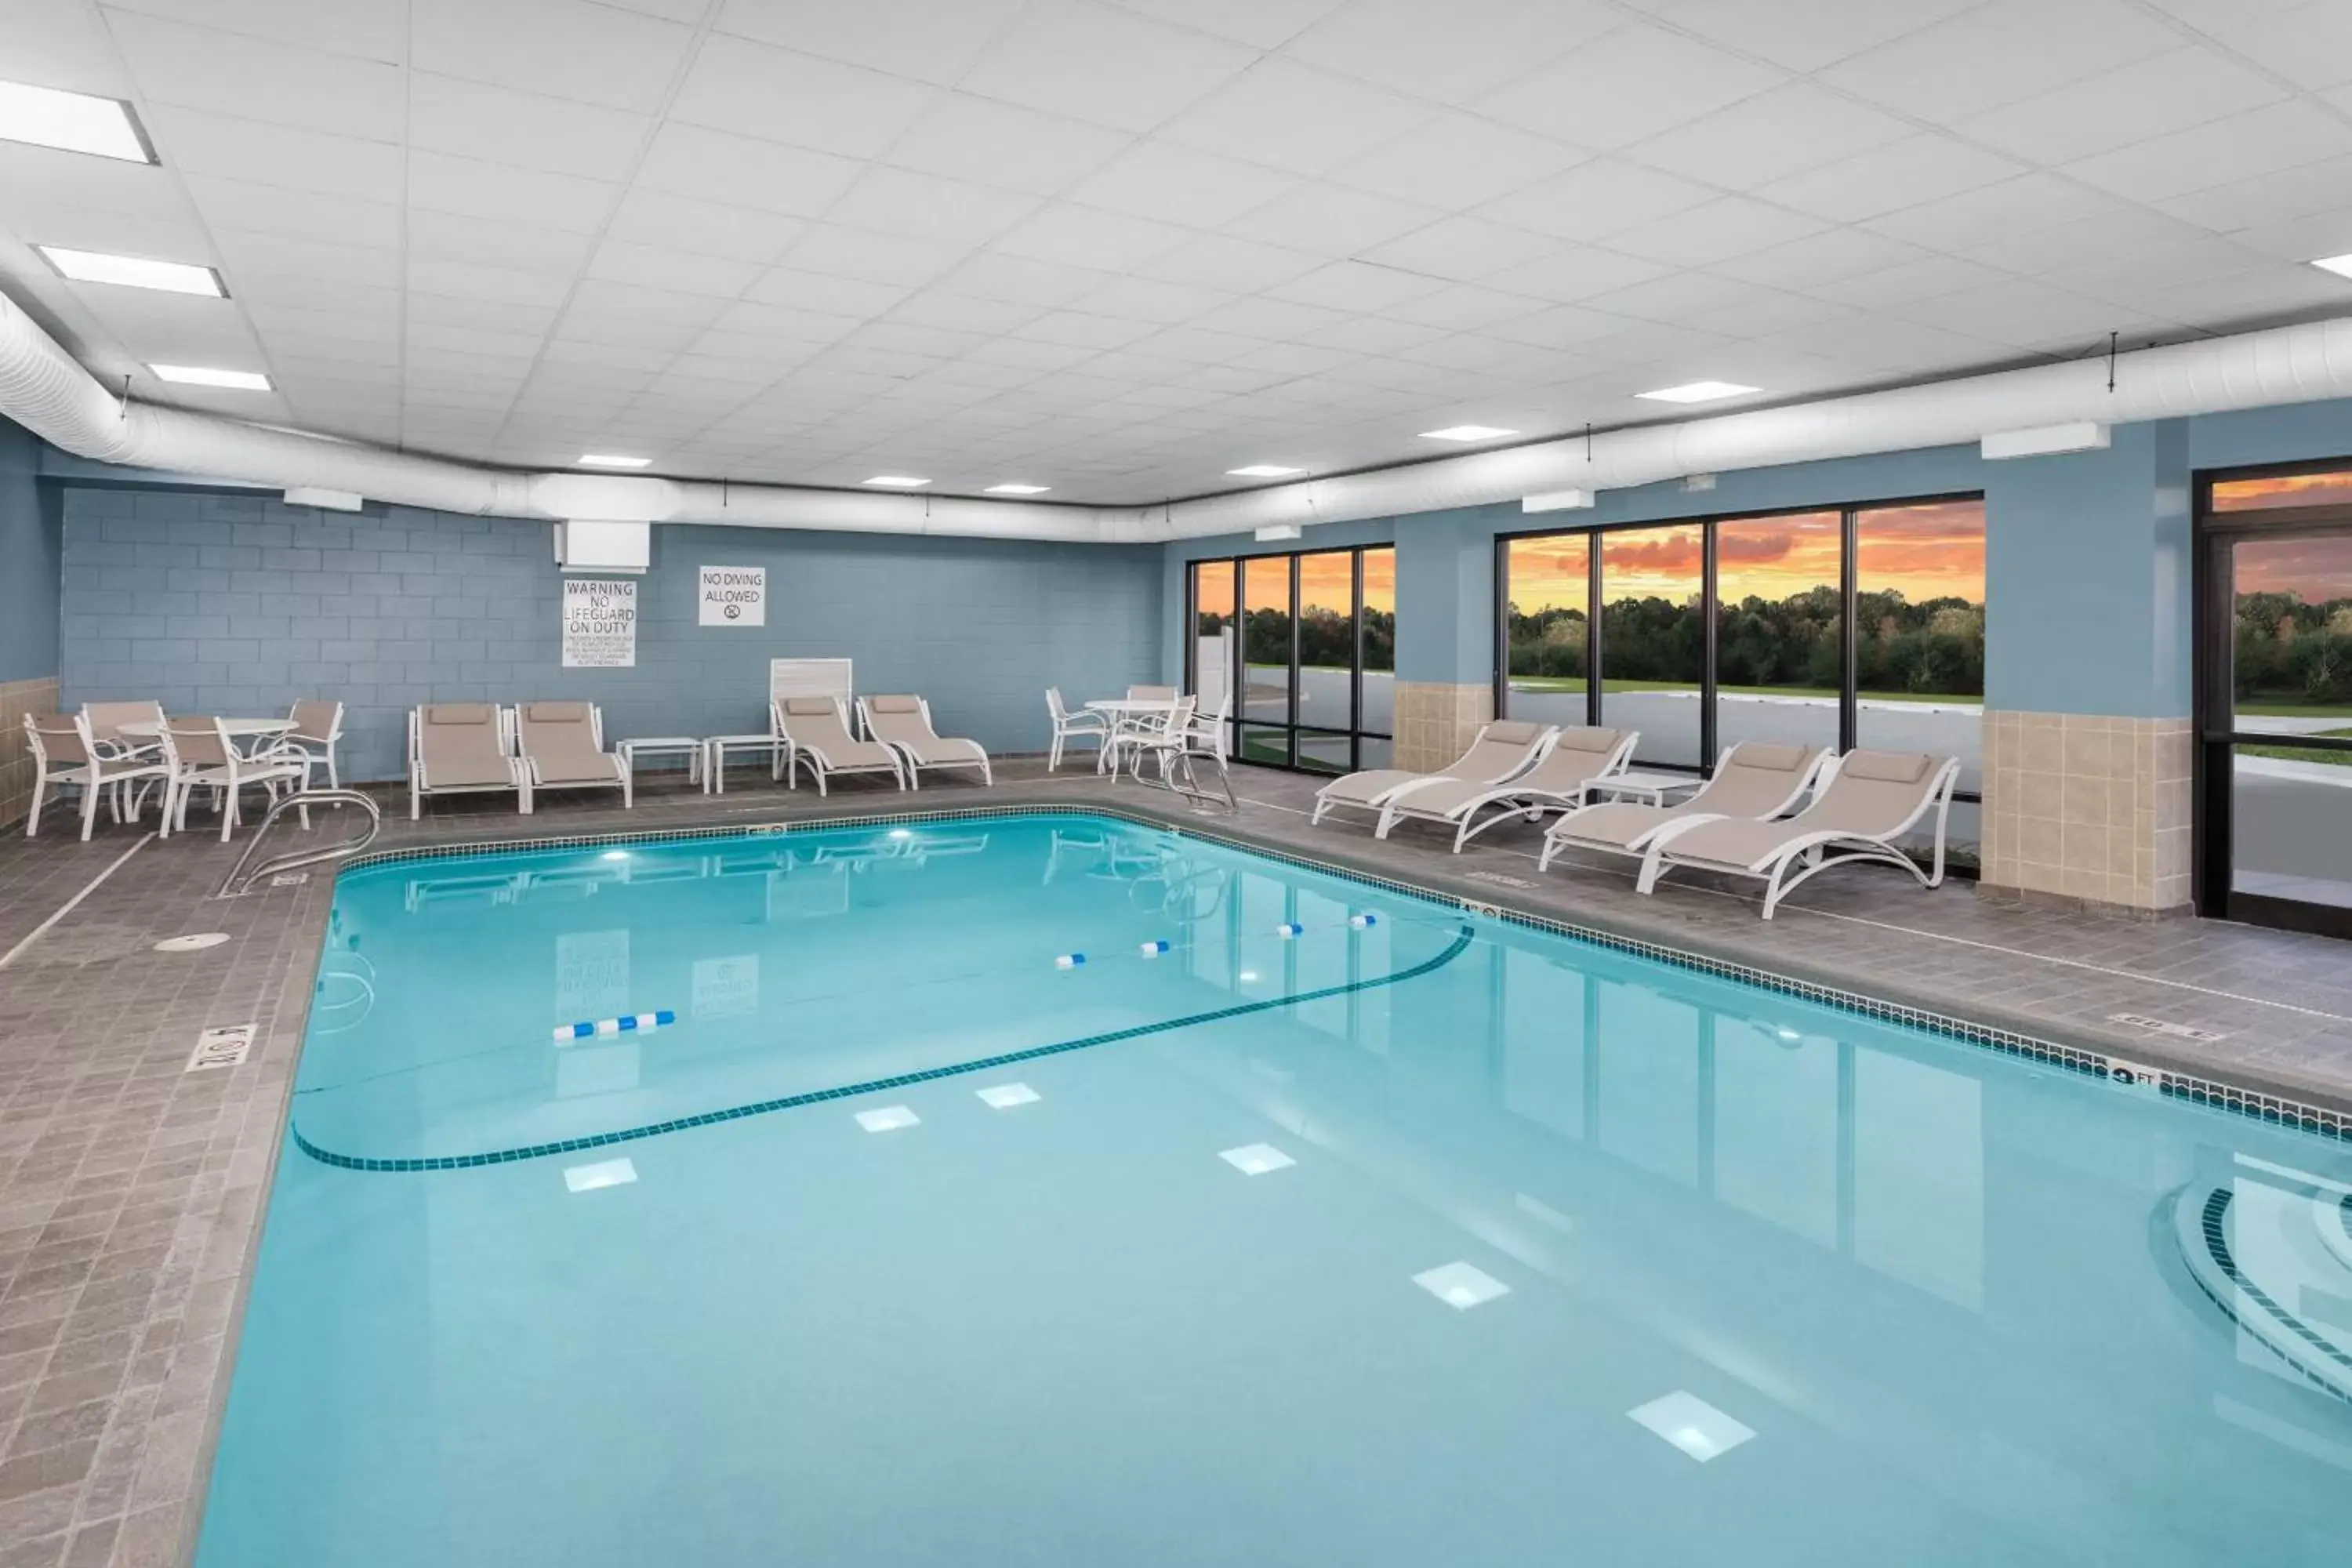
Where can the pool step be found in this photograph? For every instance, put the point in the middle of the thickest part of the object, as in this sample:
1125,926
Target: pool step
2277,1258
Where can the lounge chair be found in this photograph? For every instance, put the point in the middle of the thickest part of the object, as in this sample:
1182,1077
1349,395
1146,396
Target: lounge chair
459,748
562,747
1578,757
1502,751
1867,800
904,724
1754,779
815,736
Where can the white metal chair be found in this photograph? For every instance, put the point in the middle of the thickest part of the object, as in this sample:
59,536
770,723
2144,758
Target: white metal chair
199,755
65,751
106,719
317,725
1084,724
1215,734
1172,740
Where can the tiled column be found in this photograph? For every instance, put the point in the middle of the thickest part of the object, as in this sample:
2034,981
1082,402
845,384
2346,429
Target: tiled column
2087,807
2087,614
18,698
1437,720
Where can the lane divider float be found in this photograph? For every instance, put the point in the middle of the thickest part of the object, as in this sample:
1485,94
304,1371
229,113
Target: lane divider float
626,1024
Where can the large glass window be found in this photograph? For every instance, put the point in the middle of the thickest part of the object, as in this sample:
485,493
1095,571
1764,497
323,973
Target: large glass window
1920,631
1547,626
1653,639
1780,642
1314,646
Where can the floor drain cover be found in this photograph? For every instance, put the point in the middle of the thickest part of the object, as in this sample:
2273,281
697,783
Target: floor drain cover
195,944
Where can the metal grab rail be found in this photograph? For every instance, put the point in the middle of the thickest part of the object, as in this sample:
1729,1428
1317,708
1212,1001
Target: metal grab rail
239,881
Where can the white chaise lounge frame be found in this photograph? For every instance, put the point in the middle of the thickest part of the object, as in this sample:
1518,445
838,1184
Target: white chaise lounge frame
1527,795
1530,752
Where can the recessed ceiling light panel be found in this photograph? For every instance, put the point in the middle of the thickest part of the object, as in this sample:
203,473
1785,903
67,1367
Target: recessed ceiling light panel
2339,265
897,482
1018,489
134,271
1698,392
204,375
613,461
1263,472
72,121
1466,433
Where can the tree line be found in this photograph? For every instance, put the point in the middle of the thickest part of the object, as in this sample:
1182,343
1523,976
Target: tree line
1932,648
2289,651
1326,638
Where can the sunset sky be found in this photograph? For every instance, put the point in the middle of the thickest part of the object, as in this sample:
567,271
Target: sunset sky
2286,489
1924,551
2317,570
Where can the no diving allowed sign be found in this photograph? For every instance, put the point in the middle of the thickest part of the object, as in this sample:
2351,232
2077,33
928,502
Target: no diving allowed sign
734,596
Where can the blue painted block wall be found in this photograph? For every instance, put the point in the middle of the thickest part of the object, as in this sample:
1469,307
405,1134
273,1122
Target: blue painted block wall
29,530
235,604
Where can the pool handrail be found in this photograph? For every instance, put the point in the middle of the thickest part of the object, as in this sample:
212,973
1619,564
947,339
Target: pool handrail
239,881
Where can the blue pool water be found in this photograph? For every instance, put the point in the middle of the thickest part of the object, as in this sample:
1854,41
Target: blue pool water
1360,1245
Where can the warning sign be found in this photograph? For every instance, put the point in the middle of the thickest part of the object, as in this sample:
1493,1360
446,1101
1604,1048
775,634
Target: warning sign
600,623
734,596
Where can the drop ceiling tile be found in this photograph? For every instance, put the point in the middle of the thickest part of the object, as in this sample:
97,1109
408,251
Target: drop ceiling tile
963,313
257,153
2244,146
1075,235
748,329
1597,199
827,294
448,114
1560,327
1807,36
956,213
2300,240
621,261
1264,318
718,166
202,67
1456,52
2305,190
1733,225
1224,263
1771,136
1355,286
1176,184
1820,260
264,209
1094,64
1196,344
1629,85
2085,242
1456,162
2241,300
1577,273
2168,92
1999,54
472,312
1891,289
917,39
1294,117
705,228
1463,249
65,44
1078,330
1330,221
2020,312
1370,335
840,251
1468,308
1903,174
1261,23
1018,280
1148,299
907,338
252,257
965,137
470,188
2013,206
1679,296
566,48
778,95
2309,44
488,242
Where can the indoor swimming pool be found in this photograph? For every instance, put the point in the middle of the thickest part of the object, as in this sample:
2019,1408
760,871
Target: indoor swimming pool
1052,1189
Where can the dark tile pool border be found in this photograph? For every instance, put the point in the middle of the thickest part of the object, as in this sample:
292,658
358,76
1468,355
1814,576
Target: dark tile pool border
2260,1105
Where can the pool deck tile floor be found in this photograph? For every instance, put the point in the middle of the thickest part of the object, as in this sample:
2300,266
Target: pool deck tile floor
130,1188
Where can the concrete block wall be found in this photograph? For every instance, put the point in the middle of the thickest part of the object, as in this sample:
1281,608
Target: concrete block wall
238,605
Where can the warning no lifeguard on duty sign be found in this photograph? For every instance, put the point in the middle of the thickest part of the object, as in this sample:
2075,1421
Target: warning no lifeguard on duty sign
734,596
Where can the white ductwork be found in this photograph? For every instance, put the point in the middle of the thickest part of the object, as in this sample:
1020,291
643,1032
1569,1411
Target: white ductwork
42,388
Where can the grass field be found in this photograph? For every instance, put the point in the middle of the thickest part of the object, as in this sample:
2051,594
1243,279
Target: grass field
1560,683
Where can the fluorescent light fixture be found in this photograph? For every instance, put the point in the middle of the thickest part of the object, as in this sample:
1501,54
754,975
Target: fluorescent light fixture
204,375
1256,1159
1005,1096
1460,1285
325,500
2042,440
71,121
1691,1425
1013,489
2339,265
1698,392
897,481
605,1174
1557,501
889,1119
134,271
1466,433
1263,472
1273,531
613,461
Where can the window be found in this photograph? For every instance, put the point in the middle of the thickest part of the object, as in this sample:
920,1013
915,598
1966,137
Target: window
1779,640
1546,624
1311,640
1919,625
1653,639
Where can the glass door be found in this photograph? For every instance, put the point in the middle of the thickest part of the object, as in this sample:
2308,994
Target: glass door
2275,719
1307,645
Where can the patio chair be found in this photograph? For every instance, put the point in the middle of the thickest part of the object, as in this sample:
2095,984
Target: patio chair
561,745
1172,744
818,738
1755,779
65,751
1501,752
1867,800
317,725
199,755
1085,723
903,723
1578,757
1151,694
106,719
459,748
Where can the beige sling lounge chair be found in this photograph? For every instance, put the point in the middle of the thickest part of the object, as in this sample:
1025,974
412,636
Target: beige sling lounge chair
1868,800
562,747
1578,756
1502,751
462,748
1754,779
818,740
904,724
